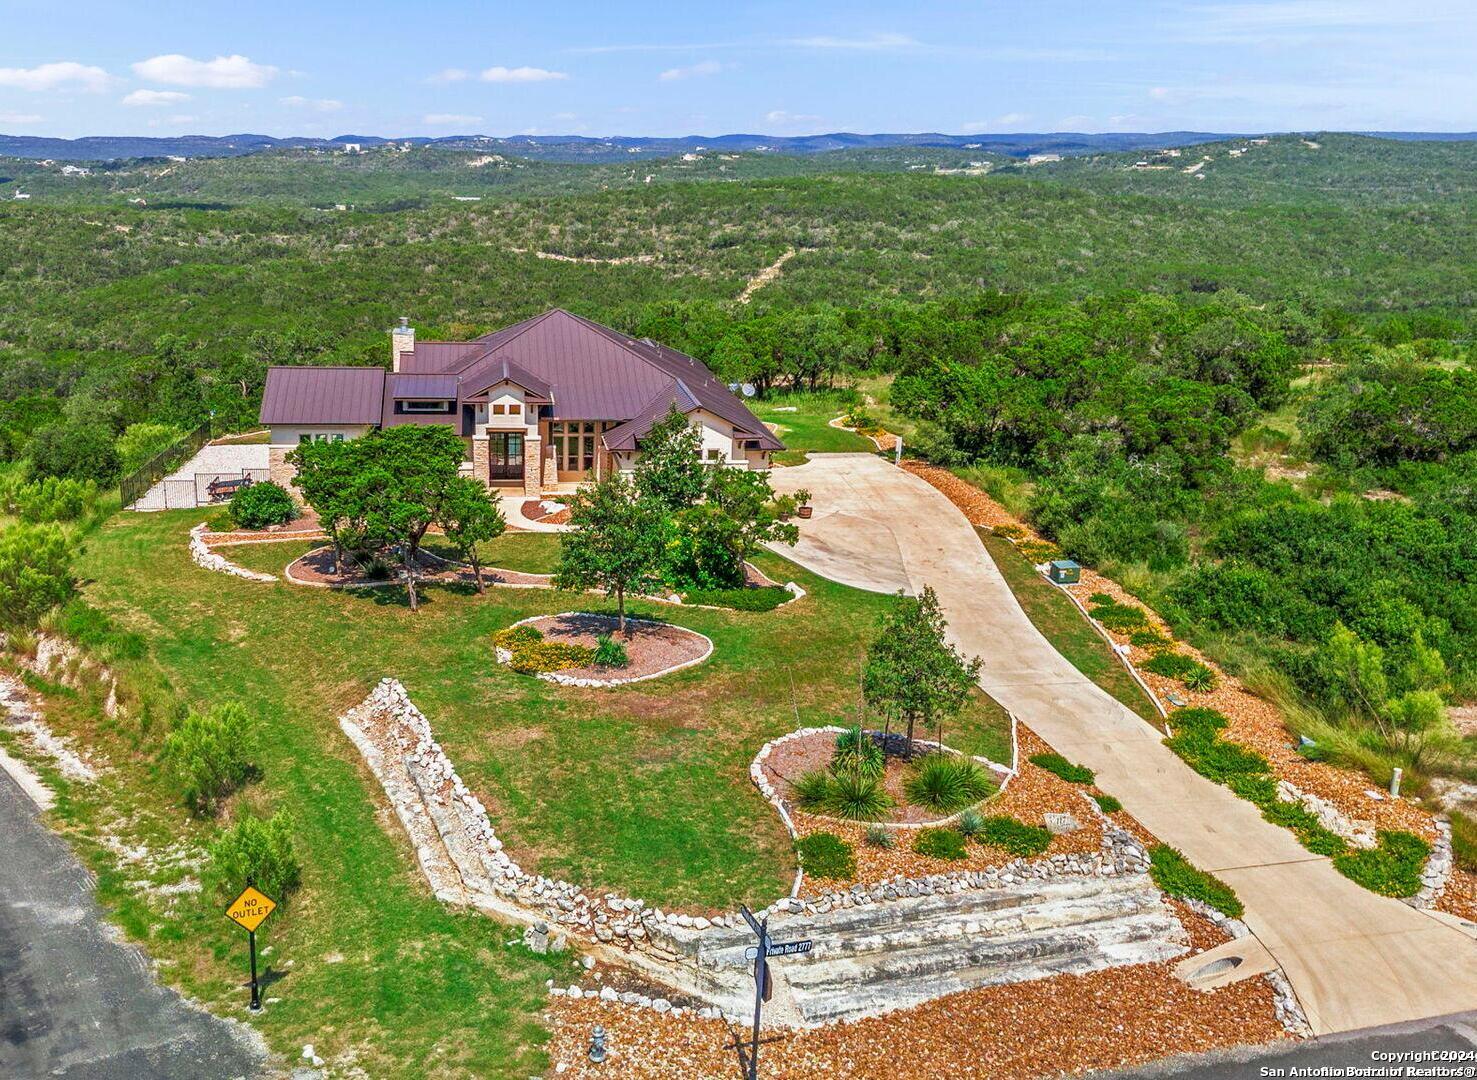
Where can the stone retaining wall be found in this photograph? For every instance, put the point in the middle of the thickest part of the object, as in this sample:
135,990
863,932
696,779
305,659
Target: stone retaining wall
209,560
461,854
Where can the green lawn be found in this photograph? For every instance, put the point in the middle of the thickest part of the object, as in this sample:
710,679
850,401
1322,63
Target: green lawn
1063,625
642,789
808,428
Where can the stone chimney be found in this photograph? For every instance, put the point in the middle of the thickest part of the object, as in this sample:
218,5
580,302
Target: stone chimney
402,340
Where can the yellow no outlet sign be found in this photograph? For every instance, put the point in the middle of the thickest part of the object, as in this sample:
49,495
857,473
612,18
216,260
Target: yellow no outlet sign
250,910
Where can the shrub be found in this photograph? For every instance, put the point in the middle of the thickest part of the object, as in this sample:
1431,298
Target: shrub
1171,665
1039,551
1107,804
763,598
140,442
260,505
970,823
947,783
209,755
826,855
1393,868
1015,836
35,572
1009,531
1121,617
82,451
858,751
610,653
1060,766
812,789
537,657
1149,638
1176,876
939,844
879,836
513,636
256,852
53,499
1101,599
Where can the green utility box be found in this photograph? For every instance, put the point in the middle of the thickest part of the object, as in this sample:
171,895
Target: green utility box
1065,572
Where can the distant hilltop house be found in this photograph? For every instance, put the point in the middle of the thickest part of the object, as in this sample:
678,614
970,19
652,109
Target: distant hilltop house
18,194
542,404
353,148
1038,159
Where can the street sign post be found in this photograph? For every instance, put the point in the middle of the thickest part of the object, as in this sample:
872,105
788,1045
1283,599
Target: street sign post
763,983
250,910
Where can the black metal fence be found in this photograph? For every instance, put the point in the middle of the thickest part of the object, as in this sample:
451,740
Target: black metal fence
133,486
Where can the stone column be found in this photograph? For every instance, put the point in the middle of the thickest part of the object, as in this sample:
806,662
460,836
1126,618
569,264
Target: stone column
281,472
533,455
481,468
551,469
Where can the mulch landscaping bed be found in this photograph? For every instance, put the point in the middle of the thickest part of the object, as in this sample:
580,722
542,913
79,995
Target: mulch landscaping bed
301,528
652,647
1032,794
316,567
1254,722
1067,1024
534,510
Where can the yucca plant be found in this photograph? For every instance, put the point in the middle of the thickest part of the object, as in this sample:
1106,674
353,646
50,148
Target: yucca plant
879,836
1200,679
970,823
858,751
945,783
857,797
812,790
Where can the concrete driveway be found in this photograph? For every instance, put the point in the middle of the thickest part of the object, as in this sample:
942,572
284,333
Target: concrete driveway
1356,960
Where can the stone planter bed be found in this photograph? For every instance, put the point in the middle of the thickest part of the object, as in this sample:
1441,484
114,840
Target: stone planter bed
316,568
301,528
1030,795
654,648
791,760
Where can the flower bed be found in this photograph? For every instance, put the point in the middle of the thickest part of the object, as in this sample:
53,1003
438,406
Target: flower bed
652,648
316,568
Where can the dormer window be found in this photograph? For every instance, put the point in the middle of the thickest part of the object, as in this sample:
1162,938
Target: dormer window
425,406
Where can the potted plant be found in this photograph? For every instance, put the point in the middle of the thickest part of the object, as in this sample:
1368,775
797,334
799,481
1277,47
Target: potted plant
802,504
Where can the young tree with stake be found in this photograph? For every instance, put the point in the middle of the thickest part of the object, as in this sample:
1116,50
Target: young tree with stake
911,672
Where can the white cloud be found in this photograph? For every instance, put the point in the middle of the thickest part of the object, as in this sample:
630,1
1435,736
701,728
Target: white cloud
154,97
20,118
702,67
520,75
54,76
316,104
450,75
233,72
446,119
788,119
869,42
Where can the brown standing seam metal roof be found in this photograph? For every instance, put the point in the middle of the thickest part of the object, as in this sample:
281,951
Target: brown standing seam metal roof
323,395
587,371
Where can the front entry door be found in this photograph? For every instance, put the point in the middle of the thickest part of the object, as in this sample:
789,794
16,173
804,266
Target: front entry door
505,455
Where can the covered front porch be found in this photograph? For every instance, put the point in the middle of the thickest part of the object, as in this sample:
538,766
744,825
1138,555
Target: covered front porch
554,456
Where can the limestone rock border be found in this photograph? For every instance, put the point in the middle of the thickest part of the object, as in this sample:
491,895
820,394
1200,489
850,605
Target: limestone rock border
1438,868
505,656
206,559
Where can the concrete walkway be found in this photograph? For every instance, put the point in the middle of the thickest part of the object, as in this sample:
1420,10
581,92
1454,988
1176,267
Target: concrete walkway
1355,959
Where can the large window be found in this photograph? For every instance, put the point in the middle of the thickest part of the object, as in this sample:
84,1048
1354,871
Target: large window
425,406
574,444
311,437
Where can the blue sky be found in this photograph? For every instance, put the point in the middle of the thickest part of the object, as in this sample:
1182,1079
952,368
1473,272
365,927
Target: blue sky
80,67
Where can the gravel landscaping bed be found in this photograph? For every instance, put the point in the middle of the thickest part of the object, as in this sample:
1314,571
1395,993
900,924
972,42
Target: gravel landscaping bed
1062,1025
301,528
1031,794
654,648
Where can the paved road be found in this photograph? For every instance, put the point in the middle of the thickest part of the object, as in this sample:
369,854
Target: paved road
74,1003
1451,1039
1356,960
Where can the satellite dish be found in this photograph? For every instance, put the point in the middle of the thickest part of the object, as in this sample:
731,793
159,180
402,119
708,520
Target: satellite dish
748,390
